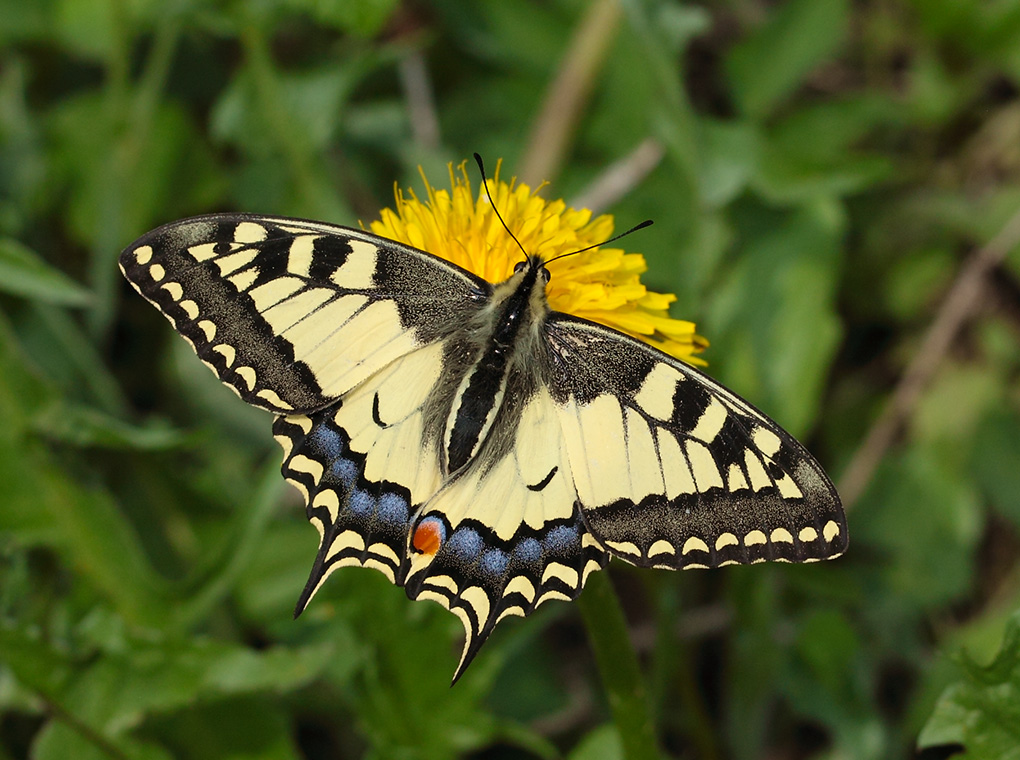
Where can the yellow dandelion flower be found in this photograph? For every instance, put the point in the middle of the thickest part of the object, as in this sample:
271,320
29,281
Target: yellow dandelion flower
602,285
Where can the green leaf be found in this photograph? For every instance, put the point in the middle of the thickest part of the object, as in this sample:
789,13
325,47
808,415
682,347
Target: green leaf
981,711
769,65
24,273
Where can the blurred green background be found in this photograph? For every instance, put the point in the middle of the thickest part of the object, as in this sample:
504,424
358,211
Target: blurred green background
823,175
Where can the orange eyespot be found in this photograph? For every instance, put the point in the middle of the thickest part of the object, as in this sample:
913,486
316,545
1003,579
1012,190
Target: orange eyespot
428,536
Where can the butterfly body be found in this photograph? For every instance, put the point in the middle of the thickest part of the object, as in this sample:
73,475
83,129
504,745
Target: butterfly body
478,448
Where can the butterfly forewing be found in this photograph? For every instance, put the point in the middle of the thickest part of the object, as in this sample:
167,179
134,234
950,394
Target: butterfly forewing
673,470
293,314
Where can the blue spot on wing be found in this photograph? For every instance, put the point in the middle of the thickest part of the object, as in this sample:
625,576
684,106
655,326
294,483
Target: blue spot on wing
327,440
494,562
465,543
528,550
345,470
392,508
361,502
561,538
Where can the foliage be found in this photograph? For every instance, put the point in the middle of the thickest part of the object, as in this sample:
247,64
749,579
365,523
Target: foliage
820,172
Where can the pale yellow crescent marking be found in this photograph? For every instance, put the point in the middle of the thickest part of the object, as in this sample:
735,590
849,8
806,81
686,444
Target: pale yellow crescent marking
301,463
726,562
285,443
695,566
520,585
589,540
590,567
566,574
349,539
694,544
273,399
655,396
781,535
514,610
624,547
768,443
807,534
831,530
143,254
552,594
227,352
383,567
319,526
724,540
249,232
247,374
385,550
209,328
754,538
443,581
190,308
174,289
661,547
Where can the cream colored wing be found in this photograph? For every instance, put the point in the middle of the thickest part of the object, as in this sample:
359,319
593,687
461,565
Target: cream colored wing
505,536
362,466
673,470
292,314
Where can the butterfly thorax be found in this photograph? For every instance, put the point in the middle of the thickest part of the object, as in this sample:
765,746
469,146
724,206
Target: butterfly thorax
503,336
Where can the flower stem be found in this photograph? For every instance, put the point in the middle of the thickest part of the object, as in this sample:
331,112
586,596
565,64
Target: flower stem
618,666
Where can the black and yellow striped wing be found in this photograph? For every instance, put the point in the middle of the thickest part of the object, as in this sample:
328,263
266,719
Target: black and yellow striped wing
482,466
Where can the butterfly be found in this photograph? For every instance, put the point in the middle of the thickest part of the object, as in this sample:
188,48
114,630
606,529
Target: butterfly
476,447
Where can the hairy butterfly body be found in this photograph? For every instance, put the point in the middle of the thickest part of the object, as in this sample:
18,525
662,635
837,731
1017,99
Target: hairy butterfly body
457,435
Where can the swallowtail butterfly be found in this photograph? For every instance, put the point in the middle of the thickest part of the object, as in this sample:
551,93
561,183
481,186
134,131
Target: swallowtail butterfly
457,435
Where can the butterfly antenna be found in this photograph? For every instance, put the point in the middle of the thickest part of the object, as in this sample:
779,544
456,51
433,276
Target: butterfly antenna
635,228
485,183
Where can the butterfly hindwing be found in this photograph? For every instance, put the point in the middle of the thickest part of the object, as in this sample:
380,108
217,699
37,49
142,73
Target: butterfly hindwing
674,470
512,533
292,314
